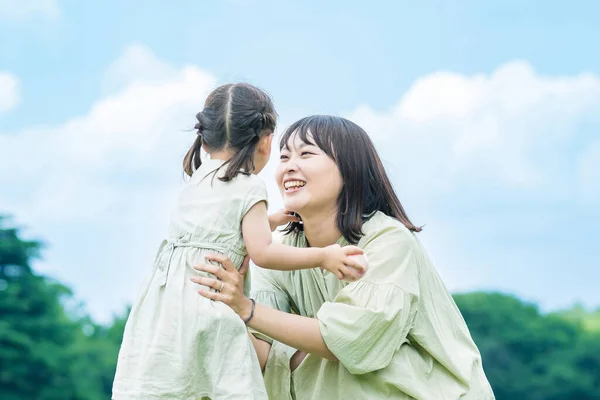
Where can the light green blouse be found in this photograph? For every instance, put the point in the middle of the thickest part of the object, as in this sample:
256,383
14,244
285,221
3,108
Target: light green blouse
396,332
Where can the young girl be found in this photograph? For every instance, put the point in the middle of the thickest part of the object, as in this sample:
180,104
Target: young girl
177,345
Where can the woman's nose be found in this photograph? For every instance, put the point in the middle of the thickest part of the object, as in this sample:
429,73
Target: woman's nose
290,166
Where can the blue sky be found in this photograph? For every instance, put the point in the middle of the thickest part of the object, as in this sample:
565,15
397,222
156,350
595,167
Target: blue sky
485,113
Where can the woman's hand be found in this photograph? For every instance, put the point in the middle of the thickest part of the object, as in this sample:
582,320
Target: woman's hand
229,284
302,333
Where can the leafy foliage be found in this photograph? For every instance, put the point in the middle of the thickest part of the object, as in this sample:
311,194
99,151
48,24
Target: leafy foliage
528,355
44,352
47,353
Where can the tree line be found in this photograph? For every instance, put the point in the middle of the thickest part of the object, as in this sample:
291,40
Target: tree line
50,350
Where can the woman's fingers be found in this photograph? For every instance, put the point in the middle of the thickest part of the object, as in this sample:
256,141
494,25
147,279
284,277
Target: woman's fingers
223,260
216,296
228,288
211,269
220,287
221,273
210,282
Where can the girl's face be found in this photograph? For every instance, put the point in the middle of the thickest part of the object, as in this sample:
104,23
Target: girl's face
309,181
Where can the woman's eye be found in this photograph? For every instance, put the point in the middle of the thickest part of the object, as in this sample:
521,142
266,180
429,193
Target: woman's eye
283,157
306,153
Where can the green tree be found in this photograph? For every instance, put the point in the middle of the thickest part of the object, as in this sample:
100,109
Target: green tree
531,356
95,355
47,352
35,333
590,320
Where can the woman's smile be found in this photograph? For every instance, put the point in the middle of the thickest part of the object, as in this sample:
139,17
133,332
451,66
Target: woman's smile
302,161
293,185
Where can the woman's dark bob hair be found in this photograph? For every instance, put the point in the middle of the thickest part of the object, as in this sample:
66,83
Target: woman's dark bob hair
366,186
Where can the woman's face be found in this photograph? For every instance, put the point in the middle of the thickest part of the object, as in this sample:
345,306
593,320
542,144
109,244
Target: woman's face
309,181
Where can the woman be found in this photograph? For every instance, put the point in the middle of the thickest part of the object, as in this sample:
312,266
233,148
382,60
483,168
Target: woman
396,332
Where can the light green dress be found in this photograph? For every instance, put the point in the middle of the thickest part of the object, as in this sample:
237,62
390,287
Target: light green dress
396,332
178,344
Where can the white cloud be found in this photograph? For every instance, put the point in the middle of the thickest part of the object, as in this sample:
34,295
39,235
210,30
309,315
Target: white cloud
509,127
9,91
137,64
589,175
139,130
501,164
111,174
22,9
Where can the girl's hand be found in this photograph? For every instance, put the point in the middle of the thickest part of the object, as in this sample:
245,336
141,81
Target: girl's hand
282,217
229,284
347,263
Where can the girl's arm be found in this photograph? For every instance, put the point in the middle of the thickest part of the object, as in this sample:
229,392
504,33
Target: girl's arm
265,253
281,218
365,324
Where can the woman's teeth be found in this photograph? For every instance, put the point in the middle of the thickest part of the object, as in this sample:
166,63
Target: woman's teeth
293,184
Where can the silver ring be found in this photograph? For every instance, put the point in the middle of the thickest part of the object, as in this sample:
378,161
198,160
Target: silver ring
222,285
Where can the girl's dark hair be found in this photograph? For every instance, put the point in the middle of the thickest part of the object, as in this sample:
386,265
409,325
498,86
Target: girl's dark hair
235,116
366,186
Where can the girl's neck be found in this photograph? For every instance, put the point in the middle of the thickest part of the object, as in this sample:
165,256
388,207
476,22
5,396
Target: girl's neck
321,229
223,155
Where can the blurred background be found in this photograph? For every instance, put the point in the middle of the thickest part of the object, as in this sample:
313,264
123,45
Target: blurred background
485,113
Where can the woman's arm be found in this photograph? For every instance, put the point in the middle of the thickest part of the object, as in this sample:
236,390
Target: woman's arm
368,320
296,331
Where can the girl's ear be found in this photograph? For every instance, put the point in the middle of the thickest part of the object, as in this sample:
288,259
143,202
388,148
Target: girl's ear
264,144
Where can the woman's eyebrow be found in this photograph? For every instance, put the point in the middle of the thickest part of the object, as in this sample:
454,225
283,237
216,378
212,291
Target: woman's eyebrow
305,144
300,146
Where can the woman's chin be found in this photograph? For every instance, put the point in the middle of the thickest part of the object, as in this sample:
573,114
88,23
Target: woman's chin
289,206
293,205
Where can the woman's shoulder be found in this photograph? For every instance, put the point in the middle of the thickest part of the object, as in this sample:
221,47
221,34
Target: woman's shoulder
380,224
393,252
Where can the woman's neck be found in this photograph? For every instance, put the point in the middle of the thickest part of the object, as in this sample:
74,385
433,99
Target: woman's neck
321,229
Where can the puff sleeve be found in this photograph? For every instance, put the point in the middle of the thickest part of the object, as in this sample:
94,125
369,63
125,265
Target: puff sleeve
370,319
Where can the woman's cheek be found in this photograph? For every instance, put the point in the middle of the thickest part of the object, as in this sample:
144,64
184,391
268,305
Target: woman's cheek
279,176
